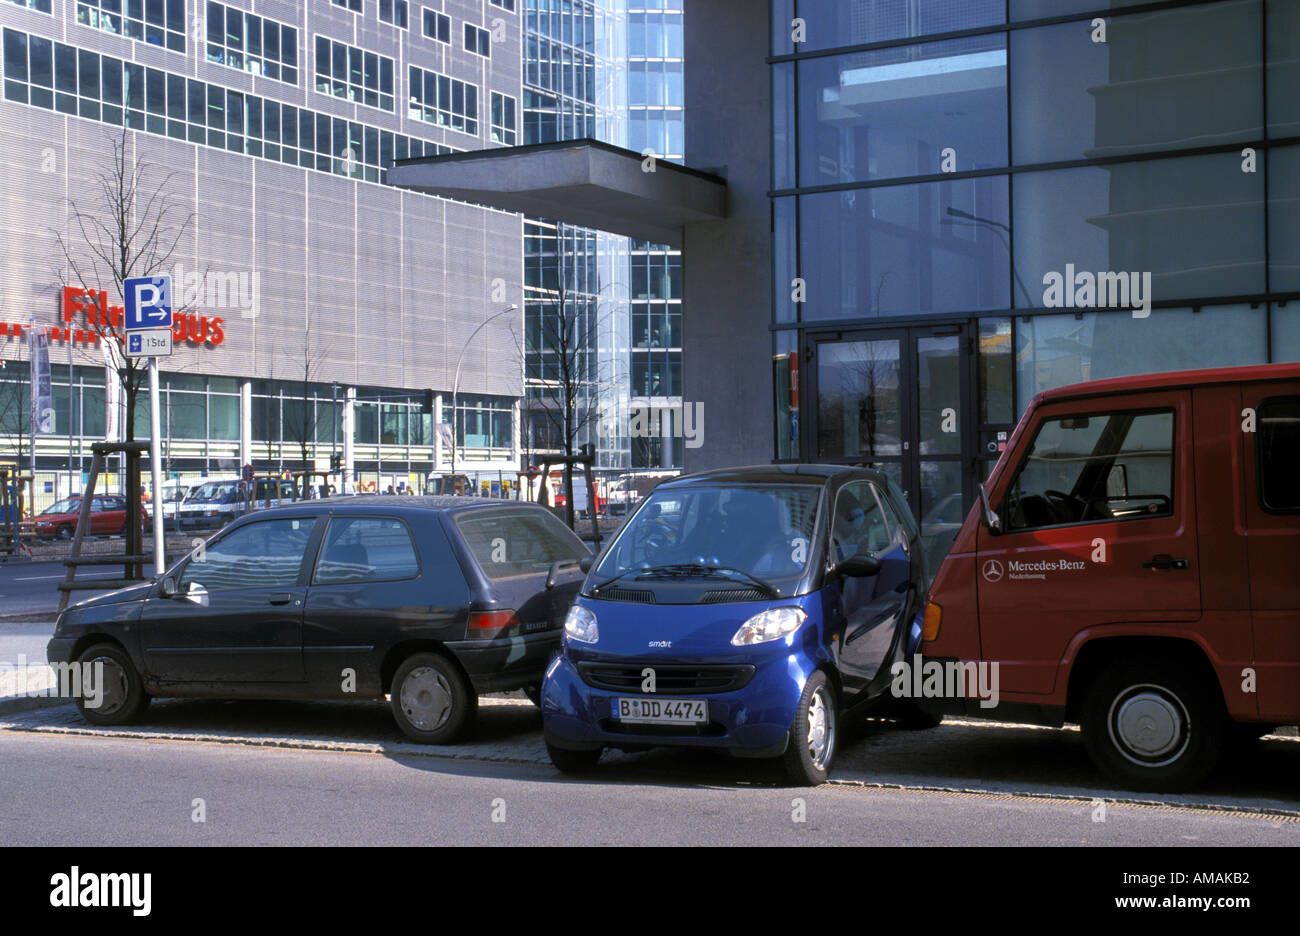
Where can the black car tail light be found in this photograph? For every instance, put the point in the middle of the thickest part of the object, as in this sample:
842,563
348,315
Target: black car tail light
490,624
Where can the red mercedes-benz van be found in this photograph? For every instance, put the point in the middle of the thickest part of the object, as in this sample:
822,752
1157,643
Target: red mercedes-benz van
1134,567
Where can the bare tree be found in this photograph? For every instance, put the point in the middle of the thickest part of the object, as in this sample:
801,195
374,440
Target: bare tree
571,391
300,427
130,223
14,406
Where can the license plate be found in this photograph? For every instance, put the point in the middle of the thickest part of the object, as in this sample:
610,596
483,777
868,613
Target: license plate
662,711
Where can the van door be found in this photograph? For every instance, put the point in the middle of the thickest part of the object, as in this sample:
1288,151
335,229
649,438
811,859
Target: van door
1272,496
1099,518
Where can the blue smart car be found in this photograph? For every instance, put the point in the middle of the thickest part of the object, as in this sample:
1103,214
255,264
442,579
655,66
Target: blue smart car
745,609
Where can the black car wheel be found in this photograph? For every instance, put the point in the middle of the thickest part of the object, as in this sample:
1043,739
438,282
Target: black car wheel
122,695
64,533
431,700
813,733
573,762
1152,725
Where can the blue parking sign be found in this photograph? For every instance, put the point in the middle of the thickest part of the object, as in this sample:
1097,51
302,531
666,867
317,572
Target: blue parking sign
133,343
148,302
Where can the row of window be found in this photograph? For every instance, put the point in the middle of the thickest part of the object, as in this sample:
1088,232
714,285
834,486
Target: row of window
59,77
157,22
1173,229
1040,95
354,74
447,102
252,43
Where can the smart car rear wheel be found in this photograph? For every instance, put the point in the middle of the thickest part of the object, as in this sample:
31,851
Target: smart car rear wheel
813,733
431,700
106,669
1152,725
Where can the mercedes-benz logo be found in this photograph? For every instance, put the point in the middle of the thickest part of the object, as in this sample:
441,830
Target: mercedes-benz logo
992,571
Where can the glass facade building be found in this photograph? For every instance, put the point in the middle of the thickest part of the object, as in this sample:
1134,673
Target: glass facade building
976,201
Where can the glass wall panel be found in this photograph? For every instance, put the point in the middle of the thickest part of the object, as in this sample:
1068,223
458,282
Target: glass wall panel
1041,9
905,250
1056,350
1283,51
1286,332
914,110
997,402
1196,224
833,23
1284,218
1165,80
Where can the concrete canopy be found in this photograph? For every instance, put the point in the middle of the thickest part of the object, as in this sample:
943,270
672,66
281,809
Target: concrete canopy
581,182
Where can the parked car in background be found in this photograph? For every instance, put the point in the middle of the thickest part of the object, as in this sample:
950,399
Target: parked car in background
748,610
427,600
59,521
1133,569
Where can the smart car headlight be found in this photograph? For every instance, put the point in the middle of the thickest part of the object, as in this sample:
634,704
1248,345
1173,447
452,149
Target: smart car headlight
580,624
772,624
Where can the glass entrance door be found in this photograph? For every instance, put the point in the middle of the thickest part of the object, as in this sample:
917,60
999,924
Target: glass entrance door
899,400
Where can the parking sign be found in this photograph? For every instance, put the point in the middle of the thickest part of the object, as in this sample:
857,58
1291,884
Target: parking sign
148,302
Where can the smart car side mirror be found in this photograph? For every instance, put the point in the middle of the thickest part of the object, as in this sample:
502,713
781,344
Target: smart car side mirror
586,562
858,567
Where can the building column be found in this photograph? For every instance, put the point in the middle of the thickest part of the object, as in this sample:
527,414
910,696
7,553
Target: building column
349,434
245,423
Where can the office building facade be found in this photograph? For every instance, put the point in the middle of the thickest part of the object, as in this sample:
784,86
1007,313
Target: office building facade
321,304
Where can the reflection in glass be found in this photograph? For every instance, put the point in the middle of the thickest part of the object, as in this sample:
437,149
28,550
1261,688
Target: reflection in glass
858,399
997,405
938,387
942,510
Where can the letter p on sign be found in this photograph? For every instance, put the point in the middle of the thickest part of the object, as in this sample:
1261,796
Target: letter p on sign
148,302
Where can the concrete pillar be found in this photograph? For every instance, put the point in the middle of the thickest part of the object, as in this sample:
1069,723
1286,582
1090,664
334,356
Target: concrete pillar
245,423
349,435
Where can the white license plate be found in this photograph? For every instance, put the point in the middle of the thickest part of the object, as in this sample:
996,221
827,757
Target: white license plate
662,711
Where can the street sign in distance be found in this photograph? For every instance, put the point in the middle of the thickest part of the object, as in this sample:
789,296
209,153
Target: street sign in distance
152,342
148,302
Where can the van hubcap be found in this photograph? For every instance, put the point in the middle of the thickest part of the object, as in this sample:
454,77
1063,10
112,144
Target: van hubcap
1149,725
426,698
821,728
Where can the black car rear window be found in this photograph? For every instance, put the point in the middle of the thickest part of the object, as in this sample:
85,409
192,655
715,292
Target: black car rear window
517,542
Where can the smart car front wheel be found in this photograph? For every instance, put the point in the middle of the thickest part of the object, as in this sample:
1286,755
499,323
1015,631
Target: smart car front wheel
813,733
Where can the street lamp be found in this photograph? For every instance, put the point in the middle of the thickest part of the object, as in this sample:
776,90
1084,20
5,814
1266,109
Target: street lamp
455,387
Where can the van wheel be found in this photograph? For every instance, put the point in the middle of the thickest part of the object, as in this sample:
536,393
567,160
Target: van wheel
573,762
431,701
813,733
122,698
1151,725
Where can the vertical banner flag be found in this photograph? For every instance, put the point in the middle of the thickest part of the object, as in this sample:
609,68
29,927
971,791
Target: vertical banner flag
42,394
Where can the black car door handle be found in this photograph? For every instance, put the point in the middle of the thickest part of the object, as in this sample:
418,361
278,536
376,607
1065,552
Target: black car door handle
281,598
1166,562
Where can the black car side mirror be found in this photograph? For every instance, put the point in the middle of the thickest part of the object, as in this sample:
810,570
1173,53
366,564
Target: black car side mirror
858,567
167,587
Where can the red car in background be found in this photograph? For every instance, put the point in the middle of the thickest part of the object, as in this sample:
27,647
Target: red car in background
59,521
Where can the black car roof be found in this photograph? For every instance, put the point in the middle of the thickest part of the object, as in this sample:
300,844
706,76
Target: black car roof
776,474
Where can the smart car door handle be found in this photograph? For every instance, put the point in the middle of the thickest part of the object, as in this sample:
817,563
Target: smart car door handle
282,598
1166,562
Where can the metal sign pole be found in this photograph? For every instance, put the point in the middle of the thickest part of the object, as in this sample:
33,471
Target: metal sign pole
155,464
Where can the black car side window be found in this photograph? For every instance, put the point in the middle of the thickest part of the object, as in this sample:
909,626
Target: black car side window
366,549
265,554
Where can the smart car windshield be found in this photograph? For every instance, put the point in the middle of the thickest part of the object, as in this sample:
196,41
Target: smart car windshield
750,532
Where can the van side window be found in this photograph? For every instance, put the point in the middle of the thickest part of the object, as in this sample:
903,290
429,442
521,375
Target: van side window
366,549
1277,452
1093,468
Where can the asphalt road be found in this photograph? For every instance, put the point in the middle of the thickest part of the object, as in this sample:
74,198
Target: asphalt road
29,588
78,791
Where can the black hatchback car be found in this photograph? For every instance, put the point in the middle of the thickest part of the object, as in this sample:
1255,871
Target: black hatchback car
428,600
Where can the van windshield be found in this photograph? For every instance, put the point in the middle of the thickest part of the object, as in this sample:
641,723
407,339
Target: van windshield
213,491
763,531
